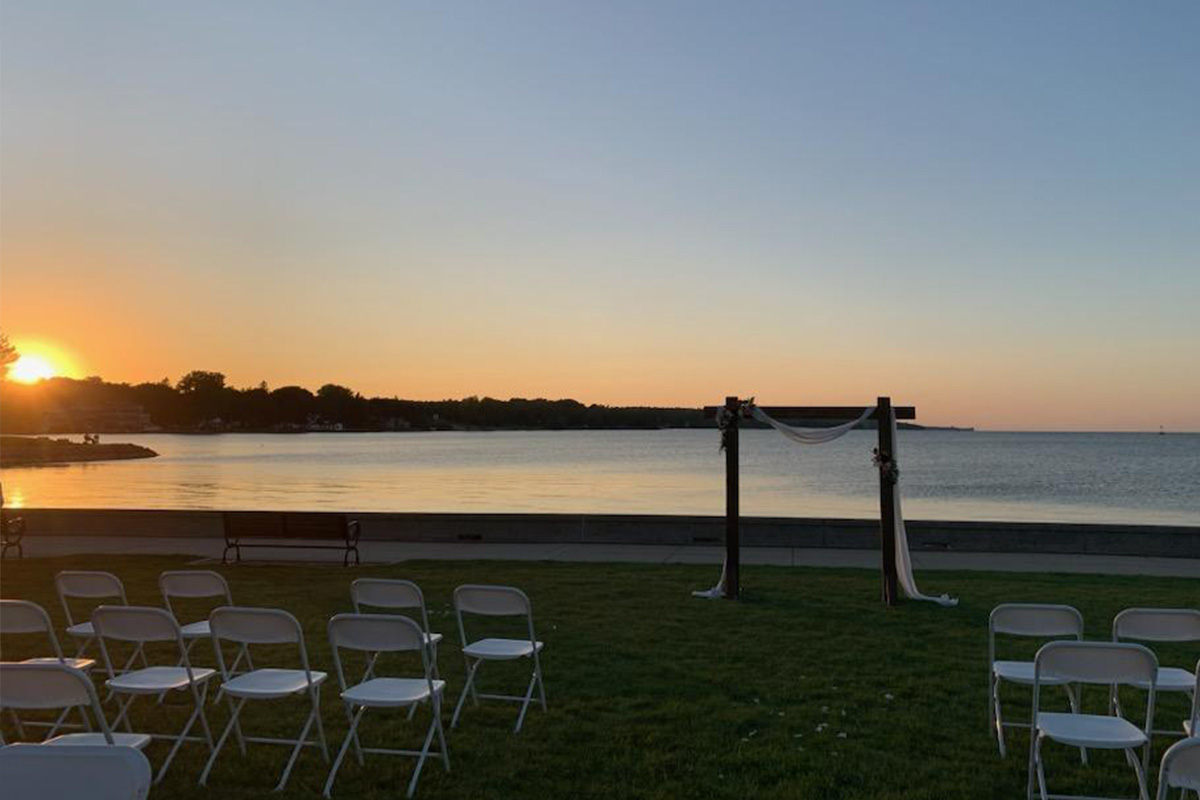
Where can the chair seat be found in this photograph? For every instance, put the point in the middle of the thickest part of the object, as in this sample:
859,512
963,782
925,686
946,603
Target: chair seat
1090,730
267,683
500,649
135,740
1022,672
1171,679
432,638
153,680
82,629
196,630
78,663
1187,728
391,691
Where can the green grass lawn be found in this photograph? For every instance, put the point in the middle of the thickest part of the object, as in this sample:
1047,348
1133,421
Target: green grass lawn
807,688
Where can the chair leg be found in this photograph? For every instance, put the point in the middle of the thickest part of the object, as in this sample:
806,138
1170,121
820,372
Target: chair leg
287,771
1135,762
123,713
412,783
198,713
316,699
233,718
525,703
1074,699
1041,772
17,723
354,734
62,717
235,709
998,727
467,689
441,732
1033,754
351,736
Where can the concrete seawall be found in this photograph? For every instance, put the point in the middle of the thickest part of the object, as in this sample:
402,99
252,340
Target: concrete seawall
845,534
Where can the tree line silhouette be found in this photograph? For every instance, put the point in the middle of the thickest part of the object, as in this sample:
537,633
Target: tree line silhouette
202,401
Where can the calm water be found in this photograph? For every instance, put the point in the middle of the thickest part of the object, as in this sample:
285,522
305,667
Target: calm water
1068,477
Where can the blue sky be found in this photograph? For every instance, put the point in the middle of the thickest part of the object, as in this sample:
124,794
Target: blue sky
987,209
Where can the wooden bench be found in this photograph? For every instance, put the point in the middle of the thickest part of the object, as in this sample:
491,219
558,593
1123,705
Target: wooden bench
290,529
12,530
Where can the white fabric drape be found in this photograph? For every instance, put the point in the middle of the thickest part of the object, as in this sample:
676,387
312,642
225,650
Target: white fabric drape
810,435
904,571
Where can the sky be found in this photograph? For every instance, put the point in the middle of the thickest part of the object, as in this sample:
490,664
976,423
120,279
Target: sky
987,210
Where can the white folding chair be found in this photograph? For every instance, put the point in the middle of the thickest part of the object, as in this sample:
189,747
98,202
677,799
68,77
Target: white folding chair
1034,620
1105,663
373,634
199,584
395,595
1161,625
91,586
1191,725
58,686
26,617
250,626
141,626
497,601
97,772
1180,768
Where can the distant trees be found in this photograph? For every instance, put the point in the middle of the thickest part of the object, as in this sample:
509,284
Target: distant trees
8,356
201,400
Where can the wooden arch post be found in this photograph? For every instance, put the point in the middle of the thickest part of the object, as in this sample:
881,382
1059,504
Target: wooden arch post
730,415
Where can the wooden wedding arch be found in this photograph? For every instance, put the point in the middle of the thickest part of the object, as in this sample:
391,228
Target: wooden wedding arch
735,409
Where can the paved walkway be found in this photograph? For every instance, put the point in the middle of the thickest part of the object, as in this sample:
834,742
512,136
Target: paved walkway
378,552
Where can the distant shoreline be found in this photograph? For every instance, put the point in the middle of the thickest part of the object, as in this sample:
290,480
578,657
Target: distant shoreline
748,425
24,451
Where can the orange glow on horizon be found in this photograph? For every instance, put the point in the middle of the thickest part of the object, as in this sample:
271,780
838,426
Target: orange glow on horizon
39,361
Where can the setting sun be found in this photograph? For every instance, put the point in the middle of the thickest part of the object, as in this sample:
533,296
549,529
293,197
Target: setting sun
31,369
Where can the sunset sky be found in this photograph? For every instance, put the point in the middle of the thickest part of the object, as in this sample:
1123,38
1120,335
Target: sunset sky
988,210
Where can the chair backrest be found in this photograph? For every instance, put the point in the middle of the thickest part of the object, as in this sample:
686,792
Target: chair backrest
192,584
385,593
98,772
493,601
47,685
25,616
1108,663
1157,625
1097,662
256,626
1180,767
89,585
139,625
43,685
389,593
1036,620
136,624
375,633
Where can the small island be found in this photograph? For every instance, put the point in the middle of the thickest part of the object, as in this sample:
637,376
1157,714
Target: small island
25,451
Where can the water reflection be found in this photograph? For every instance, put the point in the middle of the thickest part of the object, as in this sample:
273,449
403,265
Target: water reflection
1032,477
